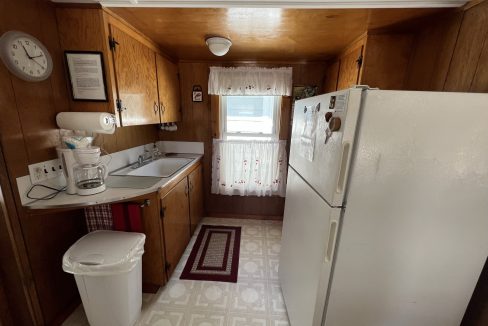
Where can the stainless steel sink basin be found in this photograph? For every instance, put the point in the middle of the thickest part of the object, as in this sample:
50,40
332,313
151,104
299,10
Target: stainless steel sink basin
162,168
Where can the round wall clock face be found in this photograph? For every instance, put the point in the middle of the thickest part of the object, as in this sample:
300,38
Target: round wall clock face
25,56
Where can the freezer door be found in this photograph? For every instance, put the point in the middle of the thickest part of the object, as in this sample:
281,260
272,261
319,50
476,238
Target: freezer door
307,250
321,160
413,238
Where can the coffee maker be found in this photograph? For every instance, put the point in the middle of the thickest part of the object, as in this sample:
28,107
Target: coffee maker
89,173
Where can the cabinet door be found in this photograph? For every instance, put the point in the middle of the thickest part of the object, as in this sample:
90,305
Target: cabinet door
176,224
350,68
331,77
153,260
169,89
135,74
196,197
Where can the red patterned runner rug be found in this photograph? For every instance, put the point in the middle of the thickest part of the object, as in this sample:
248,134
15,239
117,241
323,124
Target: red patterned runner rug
215,255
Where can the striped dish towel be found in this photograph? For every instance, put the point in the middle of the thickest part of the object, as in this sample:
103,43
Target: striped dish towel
99,217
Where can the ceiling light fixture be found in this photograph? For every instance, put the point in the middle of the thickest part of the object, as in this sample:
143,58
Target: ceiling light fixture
219,46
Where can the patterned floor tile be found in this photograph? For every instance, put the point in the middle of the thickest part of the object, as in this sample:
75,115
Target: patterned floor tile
273,246
252,246
178,293
246,320
206,318
273,266
252,267
164,318
214,296
250,297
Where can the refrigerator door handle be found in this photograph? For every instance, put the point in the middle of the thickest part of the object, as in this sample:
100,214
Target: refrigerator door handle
329,253
343,168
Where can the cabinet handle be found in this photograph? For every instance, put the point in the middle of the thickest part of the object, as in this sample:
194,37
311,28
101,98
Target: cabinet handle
156,107
146,202
186,190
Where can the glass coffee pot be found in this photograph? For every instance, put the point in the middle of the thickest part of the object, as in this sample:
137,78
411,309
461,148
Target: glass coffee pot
90,173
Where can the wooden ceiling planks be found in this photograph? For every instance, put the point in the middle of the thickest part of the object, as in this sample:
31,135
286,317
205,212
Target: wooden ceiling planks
262,34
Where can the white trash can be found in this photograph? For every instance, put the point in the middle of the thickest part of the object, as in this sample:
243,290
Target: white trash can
108,273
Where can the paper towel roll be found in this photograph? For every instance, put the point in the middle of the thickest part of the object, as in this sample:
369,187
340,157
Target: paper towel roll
99,122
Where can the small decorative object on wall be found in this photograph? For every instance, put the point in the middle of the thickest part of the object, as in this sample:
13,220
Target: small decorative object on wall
300,92
86,75
197,95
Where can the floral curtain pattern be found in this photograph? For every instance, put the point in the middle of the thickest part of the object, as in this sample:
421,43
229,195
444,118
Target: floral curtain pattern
252,168
250,81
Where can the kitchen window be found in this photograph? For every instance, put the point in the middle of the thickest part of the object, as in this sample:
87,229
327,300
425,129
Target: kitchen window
250,117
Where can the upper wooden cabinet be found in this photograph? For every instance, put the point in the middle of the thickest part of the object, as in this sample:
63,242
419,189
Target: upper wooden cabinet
169,89
136,80
350,66
142,84
377,60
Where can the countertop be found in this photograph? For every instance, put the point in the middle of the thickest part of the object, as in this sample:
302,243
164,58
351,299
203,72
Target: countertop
63,200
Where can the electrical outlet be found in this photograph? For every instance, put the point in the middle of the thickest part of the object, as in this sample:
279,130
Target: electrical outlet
39,172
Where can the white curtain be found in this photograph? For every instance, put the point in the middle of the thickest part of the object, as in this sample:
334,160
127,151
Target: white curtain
249,168
250,81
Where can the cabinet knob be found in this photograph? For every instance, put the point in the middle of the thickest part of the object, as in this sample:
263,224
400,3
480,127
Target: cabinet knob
156,107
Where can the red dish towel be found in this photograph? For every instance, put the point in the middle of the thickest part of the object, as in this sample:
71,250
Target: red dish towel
120,217
135,218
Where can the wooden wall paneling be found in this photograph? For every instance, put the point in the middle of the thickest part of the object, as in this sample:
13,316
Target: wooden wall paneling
469,46
5,316
56,289
285,118
14,263
135,69
432,53
215,115
480,80
386,60
168,89
176,224
331,77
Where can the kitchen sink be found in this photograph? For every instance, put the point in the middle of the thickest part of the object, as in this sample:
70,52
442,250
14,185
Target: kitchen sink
162,168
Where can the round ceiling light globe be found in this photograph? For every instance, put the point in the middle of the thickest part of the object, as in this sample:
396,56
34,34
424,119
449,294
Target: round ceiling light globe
219,46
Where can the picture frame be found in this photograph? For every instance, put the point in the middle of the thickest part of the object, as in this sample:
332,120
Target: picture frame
86,74
197,94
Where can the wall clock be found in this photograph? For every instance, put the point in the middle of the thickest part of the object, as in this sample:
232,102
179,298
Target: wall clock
25,56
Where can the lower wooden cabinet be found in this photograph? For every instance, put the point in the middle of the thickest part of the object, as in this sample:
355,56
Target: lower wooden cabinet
195,182
176,224
169,219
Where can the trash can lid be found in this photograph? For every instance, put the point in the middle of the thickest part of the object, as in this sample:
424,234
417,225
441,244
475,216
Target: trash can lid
104,252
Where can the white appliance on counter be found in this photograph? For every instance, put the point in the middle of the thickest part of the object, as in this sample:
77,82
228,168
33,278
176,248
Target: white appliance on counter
386,210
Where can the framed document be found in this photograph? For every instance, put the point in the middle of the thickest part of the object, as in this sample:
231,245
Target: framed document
86,75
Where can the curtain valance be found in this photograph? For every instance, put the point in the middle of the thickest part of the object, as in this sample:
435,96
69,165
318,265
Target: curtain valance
250,81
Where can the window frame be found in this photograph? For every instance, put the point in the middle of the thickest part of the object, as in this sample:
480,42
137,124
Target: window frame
251,136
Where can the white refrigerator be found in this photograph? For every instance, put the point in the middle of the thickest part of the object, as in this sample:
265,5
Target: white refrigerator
386,214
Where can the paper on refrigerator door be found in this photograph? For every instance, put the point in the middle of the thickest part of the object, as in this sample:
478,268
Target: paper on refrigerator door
307,139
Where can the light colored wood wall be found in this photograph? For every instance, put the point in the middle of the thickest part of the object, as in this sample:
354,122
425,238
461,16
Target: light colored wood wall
197,125
451,53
